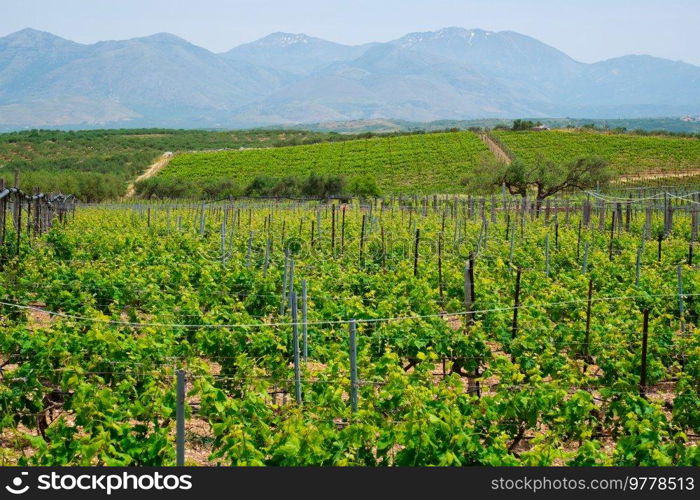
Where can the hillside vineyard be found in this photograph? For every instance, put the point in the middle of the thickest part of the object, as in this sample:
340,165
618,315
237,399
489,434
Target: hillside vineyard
437,162
441,330
423,163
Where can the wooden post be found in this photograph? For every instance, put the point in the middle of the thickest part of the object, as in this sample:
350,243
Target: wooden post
304,321
586,216
440,290
266,265
201,220
690,253
342,233
645,336
283,302
511,247
647,223
612,237
180,419
291,279
222,242
468,292
333,229
514,327
471,276
587,339
628,216
318,224
30,201
681,308
383,247
415,254
578,242
249,250
295,342
362,240
546,255
638,266
353,366
18,221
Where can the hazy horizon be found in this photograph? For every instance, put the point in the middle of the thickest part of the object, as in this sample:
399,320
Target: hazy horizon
588,33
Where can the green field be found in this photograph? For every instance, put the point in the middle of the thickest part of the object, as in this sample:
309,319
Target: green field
422,163
627,153
98,164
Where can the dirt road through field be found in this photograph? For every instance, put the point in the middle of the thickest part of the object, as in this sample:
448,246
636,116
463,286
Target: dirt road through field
150,172
498,152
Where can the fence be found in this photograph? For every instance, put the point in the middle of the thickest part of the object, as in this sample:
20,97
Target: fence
39,210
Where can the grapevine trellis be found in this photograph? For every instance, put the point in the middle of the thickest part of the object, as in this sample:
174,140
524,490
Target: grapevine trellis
31,213
482,290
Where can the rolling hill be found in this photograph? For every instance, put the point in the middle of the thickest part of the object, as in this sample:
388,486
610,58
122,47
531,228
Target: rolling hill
425,163
420,163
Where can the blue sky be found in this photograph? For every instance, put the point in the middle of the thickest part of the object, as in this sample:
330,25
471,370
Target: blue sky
588,30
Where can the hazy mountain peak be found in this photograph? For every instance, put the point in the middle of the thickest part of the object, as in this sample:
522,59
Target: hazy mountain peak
281,39
29,37
296,53
454,73
164,37
468,36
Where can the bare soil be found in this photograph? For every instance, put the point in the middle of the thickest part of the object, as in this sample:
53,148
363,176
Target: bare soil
150,172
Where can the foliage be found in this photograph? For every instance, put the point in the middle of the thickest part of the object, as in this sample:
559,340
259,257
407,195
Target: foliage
524,124
418,163
544,177
625,153
96,165
136,283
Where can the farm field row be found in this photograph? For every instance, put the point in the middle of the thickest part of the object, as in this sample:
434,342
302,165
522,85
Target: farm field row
421,163
99,314
627,153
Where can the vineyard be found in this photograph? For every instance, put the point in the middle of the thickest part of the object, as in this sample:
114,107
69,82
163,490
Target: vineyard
419,163
96,165
406,331
626,153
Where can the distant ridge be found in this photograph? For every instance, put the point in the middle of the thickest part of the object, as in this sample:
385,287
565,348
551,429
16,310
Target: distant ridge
287,79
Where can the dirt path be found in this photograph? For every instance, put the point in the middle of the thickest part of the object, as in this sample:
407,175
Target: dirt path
650,176
150,172
500,155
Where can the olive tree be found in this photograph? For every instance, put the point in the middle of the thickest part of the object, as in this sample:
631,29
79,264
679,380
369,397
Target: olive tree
543,178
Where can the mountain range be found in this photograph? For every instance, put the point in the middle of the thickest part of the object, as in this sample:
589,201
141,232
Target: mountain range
450,74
